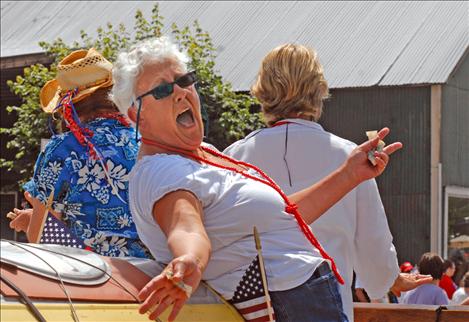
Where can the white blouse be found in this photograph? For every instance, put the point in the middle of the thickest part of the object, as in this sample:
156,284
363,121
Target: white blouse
355,230
232,205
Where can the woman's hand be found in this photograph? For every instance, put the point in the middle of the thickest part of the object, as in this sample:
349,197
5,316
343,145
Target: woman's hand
315,200
20,219
170,287
359,168
30,220
406,282
180,216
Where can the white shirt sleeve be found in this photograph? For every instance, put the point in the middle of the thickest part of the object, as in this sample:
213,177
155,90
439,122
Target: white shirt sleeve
160,175
375,256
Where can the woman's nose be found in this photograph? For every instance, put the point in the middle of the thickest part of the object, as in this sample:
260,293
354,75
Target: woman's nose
180,92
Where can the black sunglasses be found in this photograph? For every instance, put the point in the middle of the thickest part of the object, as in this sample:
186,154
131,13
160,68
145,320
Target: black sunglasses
166,89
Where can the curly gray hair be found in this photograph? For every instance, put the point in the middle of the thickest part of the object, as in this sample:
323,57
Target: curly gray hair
130,64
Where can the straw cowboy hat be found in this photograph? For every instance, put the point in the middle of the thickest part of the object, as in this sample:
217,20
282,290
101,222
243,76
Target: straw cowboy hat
85,70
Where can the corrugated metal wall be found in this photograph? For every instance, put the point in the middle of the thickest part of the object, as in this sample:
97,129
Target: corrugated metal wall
360,43
454,127
405,186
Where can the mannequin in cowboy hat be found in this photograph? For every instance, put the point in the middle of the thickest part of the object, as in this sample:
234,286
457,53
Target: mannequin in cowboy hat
86,167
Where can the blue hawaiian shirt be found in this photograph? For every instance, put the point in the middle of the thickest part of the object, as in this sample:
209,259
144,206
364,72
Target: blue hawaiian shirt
93,203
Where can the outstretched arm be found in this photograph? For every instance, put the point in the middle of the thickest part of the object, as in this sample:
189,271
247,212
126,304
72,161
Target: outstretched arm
180,215
313,201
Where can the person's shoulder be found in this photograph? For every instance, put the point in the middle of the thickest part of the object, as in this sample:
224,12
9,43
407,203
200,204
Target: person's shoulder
161,164
60,143
315,129
163,159
340,141
242,143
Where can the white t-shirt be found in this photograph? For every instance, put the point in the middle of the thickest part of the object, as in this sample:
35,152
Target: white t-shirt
232,205
354,231
459,296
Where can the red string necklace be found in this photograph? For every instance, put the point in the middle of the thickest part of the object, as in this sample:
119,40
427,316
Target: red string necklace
278,123
290,207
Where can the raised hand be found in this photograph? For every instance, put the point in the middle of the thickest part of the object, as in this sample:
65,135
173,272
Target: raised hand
172,287
360,168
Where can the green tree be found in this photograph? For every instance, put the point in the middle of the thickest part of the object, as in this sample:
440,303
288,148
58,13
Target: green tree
230,115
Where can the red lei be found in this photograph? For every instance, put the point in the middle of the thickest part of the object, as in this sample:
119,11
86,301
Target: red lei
81,133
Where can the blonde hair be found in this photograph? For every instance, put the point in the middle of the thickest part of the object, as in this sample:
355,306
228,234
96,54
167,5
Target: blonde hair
290,82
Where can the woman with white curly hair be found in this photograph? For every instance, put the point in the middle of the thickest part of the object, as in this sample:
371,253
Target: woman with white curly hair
195,208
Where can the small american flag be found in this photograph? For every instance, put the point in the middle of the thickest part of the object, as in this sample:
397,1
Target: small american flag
57,233
250,297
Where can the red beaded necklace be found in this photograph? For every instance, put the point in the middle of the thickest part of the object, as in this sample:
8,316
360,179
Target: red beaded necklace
290,207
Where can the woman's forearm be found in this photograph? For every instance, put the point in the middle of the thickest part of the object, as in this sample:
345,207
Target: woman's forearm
182,242
180,216
36,222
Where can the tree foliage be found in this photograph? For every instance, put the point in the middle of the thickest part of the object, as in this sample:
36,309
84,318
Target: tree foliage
231,115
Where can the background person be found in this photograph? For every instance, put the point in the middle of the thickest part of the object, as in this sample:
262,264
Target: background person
446,281
462,293
406,267
297,152
431,294
195,208
87,166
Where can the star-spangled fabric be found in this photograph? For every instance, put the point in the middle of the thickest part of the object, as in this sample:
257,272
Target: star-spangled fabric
57,233
249,298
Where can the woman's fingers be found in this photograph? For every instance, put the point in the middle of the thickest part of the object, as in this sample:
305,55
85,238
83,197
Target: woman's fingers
14,225
151,301
369,145
28,197
176,308
423,279
391,148
158,294
381,159
158,309
383,132
166,299
172,287
21,221
154,285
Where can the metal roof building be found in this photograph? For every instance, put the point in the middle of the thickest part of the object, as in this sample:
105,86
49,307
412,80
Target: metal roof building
361,44
402,64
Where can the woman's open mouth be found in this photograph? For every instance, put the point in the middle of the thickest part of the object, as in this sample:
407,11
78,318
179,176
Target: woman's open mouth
186,118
